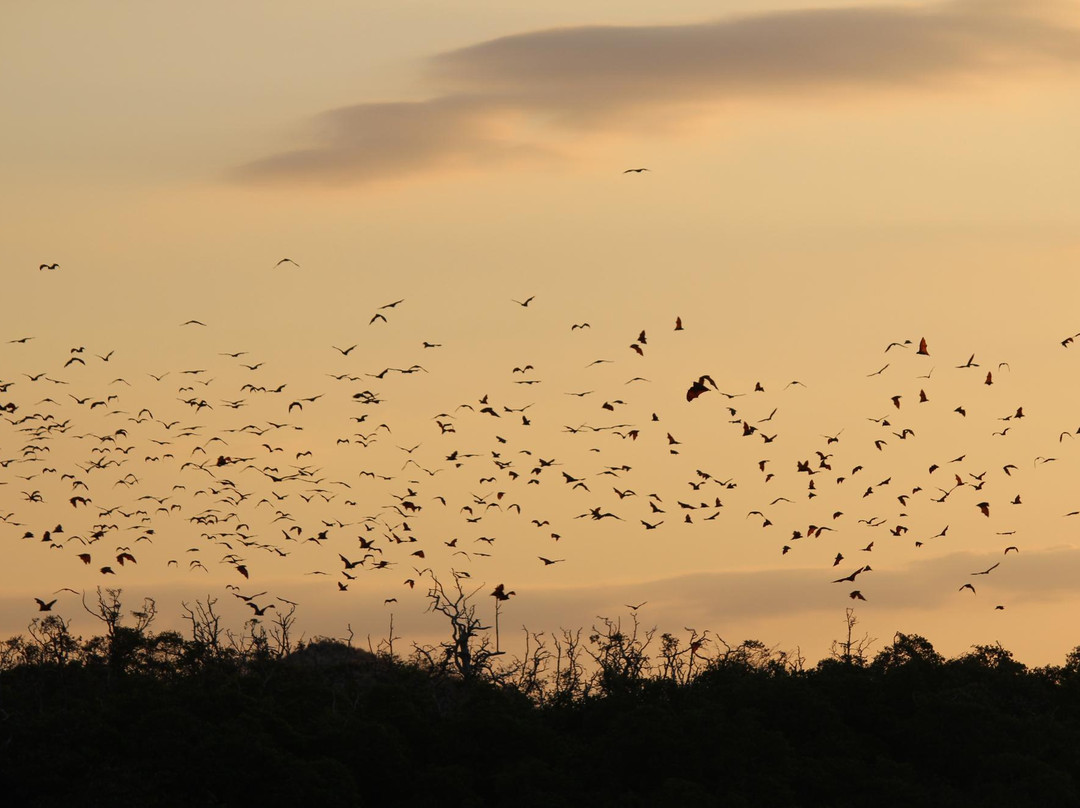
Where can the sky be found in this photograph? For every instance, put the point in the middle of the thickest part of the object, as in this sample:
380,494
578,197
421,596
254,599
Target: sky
823,181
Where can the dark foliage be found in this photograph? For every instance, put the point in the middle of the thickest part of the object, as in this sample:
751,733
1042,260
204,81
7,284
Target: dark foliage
135,718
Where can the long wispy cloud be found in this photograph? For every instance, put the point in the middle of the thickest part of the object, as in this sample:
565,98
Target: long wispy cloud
511,98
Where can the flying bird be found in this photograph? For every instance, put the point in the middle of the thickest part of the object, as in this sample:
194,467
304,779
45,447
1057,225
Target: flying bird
500,593
853,575
699,387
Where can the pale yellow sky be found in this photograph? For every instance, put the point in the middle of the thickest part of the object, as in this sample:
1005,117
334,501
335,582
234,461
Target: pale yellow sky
822,183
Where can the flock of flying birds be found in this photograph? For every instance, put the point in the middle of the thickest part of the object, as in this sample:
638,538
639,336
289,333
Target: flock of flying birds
225,470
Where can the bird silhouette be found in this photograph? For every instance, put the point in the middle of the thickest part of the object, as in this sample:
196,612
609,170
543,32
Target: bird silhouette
853,575
500,593
699,387
261,493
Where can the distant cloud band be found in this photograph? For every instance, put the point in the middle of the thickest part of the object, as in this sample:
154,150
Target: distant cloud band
498,97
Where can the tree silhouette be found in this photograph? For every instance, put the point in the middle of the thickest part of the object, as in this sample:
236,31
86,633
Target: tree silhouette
908,650
128,717
468,651
121,645
52,640
851,650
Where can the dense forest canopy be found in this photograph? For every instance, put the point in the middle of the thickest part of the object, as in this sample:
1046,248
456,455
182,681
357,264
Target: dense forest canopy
613,715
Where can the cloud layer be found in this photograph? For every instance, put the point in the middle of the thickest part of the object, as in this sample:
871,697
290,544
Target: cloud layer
508,98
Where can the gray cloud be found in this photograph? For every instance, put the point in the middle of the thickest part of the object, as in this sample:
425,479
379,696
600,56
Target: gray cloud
924,584
368,142
616,66
500,98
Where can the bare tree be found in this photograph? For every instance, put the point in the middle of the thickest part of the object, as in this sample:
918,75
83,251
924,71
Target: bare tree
850,650
677,662
529,675
571,681
622,657
108,610
205,626
252,643
384,648
122,644
500,594
281,632
468,652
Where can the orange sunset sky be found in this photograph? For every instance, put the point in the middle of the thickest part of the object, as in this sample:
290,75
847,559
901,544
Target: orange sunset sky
823,181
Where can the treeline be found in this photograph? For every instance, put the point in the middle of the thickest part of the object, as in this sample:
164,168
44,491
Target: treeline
616,715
